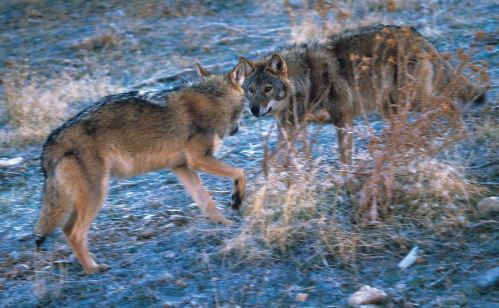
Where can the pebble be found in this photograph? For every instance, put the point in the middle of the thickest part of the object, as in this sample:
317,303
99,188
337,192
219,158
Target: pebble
488,206
174,212
488,280
61,263
409,259
178,219
366,296
145,234
168,255
301,297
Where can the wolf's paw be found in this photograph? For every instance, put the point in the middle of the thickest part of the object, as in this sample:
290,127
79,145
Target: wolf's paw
217,218
39,240
100,268
235,200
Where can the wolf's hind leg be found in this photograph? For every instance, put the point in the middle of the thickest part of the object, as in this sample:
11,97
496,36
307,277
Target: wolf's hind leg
195,188
88,192
55,205
344,132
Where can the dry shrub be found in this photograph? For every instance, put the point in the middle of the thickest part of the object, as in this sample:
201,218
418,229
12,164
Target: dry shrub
35,105
317,18
102,39
295,210
419,125
433,194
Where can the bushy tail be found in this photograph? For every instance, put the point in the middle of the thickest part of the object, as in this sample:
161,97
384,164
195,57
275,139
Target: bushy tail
54,208
469,92
453,83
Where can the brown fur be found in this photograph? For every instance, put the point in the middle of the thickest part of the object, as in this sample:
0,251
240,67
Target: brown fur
130,134
359,71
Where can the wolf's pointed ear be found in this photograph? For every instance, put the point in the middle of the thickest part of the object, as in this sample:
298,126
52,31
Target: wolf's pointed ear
277,65
237,74
202,72
249,67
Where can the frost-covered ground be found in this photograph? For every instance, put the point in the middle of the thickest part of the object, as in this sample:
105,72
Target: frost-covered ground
158,260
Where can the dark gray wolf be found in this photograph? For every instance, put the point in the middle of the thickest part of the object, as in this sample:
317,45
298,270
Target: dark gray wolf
375,68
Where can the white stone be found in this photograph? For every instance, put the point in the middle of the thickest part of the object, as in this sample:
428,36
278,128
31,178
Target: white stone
367,295
488,206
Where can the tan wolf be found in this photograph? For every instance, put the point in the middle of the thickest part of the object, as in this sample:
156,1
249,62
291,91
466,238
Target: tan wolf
336,79
132,133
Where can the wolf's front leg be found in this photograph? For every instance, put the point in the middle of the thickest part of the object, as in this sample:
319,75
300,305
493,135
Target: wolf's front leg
210,164
280,156
199,157
195,188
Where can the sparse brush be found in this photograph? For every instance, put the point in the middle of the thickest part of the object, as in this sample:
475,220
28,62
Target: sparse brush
420,125
103,39
304,205
35,105
294,211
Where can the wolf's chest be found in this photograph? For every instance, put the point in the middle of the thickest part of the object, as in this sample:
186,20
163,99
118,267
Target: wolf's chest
216,143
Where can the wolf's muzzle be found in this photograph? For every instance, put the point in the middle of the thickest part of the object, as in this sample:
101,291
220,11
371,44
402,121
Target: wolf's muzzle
258,111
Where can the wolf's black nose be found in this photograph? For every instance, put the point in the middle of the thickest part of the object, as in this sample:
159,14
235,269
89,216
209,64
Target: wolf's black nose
255,110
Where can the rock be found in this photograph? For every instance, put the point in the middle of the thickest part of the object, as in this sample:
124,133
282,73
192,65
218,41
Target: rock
61,263
409,259
301,297
6,162
488,280
366,296
174,212
145,234
157,281
181,283
169,225
178,219
35,14
18,271
488,206
168,255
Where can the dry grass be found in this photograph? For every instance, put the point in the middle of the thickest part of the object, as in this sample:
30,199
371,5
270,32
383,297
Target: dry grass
305,210
35,105
297,210
102,39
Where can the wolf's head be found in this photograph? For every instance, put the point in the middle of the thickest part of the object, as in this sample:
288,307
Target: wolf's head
228,86
266,86
228,83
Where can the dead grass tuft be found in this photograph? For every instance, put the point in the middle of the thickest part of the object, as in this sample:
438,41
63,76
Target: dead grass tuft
35,105
297,211
102,39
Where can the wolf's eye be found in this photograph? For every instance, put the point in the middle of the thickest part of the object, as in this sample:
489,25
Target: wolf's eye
268,89
251,88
